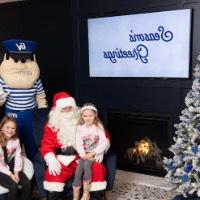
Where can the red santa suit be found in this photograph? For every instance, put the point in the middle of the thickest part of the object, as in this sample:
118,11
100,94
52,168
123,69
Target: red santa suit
58,145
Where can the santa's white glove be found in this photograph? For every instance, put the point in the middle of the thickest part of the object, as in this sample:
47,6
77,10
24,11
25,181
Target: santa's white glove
99,157
53,164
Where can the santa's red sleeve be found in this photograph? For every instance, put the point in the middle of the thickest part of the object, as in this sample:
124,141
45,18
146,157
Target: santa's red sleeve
107,134
49,141
108,143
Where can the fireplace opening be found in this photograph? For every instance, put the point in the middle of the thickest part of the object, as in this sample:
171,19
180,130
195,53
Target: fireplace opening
144,151
140,140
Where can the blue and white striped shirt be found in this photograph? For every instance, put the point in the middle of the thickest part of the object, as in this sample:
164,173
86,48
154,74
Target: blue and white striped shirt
22,99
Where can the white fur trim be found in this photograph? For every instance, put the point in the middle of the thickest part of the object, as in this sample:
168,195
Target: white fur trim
62,103
89,107
3,190
95,186
65,160
53,186
27,169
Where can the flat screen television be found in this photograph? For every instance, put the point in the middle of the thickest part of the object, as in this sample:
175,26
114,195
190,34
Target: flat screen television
155,45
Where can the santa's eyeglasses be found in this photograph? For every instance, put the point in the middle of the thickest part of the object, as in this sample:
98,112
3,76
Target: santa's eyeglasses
67,108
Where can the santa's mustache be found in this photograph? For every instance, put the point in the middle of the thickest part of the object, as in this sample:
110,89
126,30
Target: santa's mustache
68,115
58,118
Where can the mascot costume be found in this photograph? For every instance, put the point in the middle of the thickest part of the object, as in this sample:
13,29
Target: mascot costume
21,89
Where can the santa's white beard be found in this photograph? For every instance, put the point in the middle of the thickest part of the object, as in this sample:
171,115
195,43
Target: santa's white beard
64,124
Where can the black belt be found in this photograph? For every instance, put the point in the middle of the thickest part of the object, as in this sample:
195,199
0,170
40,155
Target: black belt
68,151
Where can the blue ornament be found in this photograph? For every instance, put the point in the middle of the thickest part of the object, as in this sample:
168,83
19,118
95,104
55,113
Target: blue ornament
195,149
185,178
188,168
171,166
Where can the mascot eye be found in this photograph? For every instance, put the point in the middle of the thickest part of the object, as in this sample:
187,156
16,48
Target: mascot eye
16,60
23,60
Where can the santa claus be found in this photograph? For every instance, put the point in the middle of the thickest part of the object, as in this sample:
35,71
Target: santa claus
59,151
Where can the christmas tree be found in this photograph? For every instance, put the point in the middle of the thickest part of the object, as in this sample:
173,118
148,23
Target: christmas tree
184,168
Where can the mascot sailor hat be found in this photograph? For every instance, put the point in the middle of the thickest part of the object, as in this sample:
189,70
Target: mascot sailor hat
20,49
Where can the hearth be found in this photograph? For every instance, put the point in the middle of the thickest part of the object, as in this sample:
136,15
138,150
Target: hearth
140,140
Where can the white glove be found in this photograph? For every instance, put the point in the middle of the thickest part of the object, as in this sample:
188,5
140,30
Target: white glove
53,164
3,96
99,157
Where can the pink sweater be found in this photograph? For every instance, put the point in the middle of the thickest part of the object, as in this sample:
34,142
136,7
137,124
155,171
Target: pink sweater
13,150
90,139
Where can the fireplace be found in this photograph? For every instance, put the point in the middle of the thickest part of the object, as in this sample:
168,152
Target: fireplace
140,140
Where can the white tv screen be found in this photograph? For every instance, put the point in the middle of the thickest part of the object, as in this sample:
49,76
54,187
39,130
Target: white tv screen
155,45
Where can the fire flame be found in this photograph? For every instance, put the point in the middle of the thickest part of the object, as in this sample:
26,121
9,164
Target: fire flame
143,147
144,150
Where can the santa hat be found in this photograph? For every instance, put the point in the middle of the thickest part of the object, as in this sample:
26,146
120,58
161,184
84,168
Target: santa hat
62,100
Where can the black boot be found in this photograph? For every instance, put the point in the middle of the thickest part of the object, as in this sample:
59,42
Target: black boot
54,195
97,195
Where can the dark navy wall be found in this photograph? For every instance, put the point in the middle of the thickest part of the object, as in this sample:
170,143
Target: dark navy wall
60,29
144,95
49,23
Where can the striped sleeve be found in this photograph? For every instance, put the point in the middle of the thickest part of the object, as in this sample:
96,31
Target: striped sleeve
2,83
40,88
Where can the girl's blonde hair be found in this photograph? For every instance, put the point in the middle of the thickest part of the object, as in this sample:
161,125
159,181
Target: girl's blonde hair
6,119
97,122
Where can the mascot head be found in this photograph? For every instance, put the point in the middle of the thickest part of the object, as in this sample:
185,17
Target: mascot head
19,68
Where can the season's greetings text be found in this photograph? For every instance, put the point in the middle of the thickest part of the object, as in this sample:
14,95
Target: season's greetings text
140,51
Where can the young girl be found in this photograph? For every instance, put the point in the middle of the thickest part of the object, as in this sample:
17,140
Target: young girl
90,141
11,162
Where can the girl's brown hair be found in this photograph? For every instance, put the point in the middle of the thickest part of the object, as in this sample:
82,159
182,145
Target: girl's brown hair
6,119
97,121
